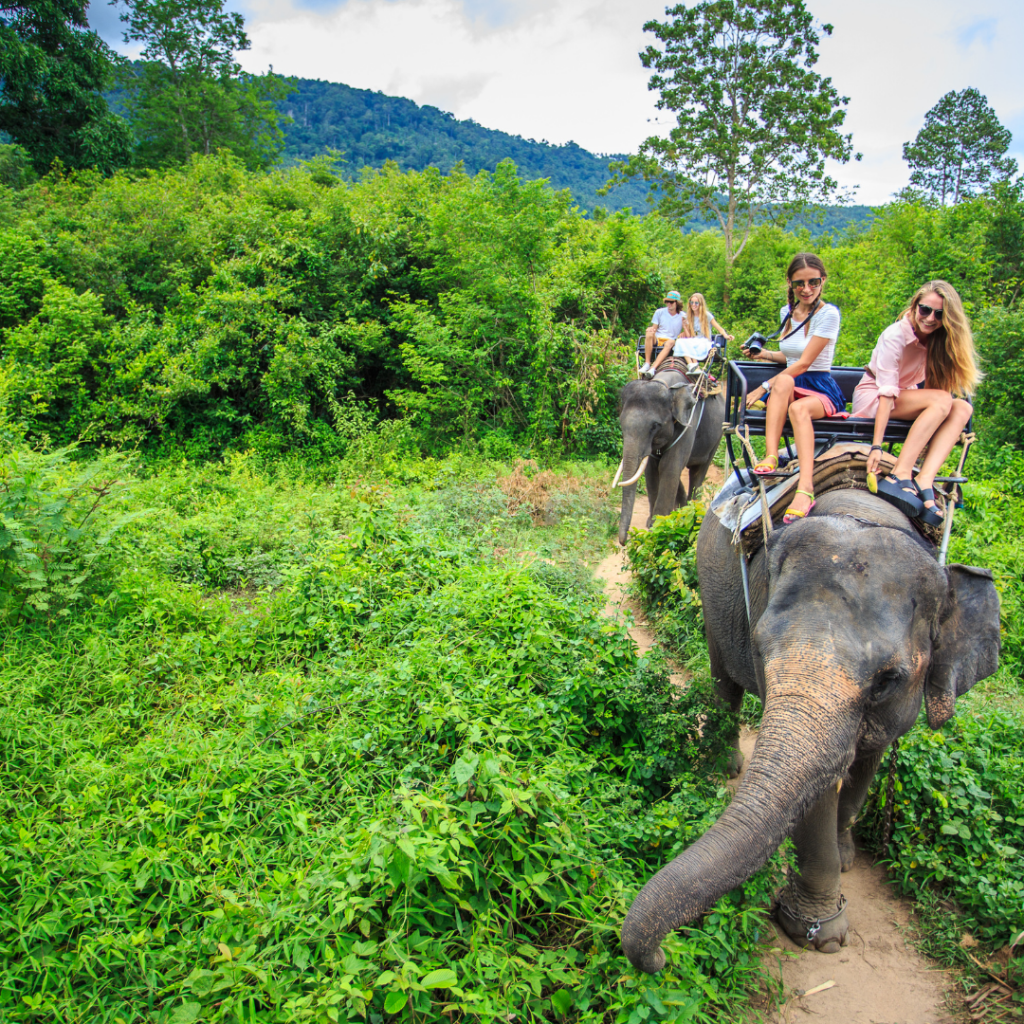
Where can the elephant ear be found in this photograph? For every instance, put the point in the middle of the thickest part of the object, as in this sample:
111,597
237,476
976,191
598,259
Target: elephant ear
682,403
965,644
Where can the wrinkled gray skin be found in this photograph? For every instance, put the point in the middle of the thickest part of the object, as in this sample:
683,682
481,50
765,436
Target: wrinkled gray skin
854,625
651,416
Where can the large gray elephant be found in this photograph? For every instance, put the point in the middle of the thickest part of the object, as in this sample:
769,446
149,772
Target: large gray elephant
853,623
653,415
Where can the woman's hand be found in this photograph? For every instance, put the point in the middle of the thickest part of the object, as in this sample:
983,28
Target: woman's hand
874,460
729,337
755,396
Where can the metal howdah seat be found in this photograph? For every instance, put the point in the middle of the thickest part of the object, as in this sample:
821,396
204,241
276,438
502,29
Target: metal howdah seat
745,376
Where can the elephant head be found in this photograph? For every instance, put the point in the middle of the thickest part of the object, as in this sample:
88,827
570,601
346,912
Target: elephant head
648,412
857,625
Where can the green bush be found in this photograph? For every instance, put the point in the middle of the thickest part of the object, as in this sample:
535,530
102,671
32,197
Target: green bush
399,776
663,562
57,524
959,819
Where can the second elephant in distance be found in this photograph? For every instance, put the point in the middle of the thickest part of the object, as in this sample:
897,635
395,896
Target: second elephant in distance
665,429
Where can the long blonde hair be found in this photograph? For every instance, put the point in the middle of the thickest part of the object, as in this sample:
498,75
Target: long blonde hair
952,363
702,319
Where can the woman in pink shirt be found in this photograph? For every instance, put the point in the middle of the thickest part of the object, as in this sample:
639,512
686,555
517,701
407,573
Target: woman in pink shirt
930,343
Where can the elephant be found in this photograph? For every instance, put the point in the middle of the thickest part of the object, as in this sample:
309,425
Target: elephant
853,624
653,415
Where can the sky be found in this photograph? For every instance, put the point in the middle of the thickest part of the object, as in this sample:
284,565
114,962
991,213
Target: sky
570,70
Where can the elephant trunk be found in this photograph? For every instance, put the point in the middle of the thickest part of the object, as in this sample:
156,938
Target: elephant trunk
632,465
793,764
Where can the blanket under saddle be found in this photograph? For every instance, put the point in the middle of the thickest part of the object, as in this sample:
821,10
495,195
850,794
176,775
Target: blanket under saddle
844,467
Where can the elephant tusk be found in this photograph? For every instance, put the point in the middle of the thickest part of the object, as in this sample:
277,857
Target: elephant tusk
636,476
618,473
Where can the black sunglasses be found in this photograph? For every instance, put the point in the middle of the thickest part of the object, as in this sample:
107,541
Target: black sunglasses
926,311
814,282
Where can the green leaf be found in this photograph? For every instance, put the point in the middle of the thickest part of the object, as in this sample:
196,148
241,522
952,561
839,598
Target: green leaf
395,1001
561,1001
186,1013
442,978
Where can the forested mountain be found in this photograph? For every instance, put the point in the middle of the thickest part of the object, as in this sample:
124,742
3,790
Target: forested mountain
369,128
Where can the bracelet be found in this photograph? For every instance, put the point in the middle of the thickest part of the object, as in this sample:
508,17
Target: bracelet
876,448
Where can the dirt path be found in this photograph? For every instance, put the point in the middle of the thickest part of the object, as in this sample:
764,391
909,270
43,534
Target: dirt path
879,978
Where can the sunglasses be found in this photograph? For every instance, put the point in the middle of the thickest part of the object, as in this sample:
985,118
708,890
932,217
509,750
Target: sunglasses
924,311
814,282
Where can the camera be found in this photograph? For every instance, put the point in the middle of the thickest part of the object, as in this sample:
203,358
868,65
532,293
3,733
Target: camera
754,343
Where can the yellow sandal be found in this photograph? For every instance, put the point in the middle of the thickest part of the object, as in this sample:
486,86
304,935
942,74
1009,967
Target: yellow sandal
793,514
768,464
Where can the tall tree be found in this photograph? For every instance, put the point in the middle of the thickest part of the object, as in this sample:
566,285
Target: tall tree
188,94
961,148
52,74
754,124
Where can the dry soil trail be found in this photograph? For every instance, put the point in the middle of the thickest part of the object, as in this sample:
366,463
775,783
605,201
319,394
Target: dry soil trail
879,978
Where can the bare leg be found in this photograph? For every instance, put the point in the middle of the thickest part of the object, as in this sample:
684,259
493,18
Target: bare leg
648,344
802,413
779,397
942,443
928,409
666,351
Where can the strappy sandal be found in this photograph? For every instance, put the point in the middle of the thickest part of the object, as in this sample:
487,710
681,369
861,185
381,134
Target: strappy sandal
793,514
902,494
929,515
768,464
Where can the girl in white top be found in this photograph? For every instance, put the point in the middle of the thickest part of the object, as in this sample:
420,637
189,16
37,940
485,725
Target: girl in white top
702,320
805,390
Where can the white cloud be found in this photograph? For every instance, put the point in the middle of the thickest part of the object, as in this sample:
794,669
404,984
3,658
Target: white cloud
570,70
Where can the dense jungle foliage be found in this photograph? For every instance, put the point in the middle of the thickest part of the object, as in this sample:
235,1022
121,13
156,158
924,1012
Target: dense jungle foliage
303,747
208,309
311,711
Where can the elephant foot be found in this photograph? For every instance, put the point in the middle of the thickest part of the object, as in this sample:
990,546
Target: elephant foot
826,934
735,761
847,850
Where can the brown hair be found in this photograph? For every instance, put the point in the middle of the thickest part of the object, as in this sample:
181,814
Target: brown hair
802,261
952,363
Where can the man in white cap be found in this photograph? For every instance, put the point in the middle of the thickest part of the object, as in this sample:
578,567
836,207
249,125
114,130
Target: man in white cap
667,324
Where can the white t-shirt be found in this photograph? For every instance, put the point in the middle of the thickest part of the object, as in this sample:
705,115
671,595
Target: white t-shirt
668,326
824,324
698,331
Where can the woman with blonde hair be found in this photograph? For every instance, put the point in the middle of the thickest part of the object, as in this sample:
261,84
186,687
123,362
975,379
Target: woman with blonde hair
929,344
702,320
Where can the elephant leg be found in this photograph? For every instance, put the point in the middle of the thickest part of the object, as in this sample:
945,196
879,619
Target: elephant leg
731,694
681,495
851,799
697,474
813,891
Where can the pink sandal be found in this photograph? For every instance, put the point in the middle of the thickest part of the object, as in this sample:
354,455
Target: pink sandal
793,514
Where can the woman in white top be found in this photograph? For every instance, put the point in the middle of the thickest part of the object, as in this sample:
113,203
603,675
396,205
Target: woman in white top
702,320
805,390
667,324
919,363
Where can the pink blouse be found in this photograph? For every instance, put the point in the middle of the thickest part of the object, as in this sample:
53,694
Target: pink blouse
899,359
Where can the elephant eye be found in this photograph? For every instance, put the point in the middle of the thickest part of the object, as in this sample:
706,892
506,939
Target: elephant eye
884,683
